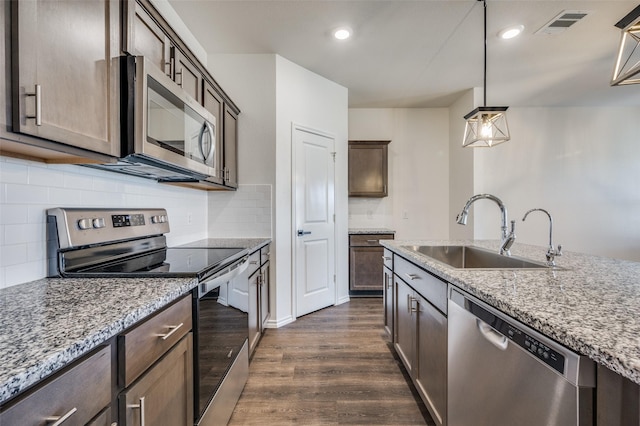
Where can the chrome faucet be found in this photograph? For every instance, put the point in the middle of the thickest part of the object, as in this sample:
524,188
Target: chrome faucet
507,239
551,251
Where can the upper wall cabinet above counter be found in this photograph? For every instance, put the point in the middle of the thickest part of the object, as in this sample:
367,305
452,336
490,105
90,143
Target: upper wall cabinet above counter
368,175
69,98
64,76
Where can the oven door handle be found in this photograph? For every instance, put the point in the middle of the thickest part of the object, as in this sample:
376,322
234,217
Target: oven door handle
230,273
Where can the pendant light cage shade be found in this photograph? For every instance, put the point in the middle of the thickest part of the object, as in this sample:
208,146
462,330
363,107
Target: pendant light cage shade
486,127
627,66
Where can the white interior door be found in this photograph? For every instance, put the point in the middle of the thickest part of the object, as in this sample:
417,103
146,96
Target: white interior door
314,221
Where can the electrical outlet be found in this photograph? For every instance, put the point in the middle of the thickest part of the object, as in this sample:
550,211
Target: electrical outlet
405,215
189,219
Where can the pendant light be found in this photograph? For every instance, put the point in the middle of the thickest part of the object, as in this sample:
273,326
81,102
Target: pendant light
627,64
486,125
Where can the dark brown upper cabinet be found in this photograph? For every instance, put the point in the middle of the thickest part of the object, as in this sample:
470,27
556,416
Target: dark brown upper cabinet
368,170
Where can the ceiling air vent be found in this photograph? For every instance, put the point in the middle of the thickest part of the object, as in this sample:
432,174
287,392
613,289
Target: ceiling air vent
562,22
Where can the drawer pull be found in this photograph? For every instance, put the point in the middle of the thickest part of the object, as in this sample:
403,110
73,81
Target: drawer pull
372,241
230,354
412,276
389,282
61,419
141,407
253,262
385,258
173,329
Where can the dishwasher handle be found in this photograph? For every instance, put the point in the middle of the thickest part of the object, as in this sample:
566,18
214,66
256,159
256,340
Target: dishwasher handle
496,339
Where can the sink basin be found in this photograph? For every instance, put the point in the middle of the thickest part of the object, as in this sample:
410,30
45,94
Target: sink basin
471,257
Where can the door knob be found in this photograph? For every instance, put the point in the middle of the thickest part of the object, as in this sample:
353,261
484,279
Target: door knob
302,232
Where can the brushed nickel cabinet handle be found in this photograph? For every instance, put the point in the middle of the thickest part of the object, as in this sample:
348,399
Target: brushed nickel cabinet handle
253,262
141,407
58,420
179,74
386,258
168,66
173,329
372,241
389,282
416,309
38,95
412,276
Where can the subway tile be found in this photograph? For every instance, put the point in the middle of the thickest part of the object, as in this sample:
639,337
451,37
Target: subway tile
26,194
24,272
77,181
13,255
24,233
64,197
13,213
45,176
13,172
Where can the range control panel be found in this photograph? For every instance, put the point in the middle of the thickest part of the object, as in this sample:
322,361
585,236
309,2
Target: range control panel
81,227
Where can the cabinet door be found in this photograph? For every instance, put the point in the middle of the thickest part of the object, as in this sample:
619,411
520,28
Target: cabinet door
430,372
164,395
78,395
186,74
66,72
254,314
404,322
230,132
368,168
387,283
365,264
264,296
144,37
212,101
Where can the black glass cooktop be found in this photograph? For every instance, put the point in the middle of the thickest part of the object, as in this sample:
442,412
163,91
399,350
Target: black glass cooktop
169,262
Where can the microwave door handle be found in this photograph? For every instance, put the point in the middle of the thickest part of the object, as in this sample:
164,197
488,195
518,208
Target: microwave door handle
206,127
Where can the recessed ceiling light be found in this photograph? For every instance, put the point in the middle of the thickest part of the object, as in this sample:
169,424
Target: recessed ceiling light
342,33
511,32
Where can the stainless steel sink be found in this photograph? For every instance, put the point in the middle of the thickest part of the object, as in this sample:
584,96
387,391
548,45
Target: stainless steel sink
471,257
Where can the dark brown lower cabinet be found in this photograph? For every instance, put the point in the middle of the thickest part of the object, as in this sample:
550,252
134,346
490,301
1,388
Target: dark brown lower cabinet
164,394
80,394
365,262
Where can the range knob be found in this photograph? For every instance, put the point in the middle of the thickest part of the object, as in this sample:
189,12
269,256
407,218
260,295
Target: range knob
99,222
85,223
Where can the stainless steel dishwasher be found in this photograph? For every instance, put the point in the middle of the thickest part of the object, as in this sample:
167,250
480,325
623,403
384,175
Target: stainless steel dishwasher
503,373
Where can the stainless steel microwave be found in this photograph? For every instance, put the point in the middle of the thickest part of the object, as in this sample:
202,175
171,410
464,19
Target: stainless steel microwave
166,135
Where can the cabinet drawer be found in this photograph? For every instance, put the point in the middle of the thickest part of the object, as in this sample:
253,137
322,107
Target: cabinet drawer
265,253
387,258
431,288
80,392
368,240
254,263
141,346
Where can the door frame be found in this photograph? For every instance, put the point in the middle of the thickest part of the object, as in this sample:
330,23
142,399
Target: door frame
294,253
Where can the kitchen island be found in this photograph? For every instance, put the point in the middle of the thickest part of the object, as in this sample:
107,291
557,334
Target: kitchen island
587,303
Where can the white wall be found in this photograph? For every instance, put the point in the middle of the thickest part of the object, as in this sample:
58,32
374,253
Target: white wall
28,188
460,165
417,204
309,100
581,164
273,93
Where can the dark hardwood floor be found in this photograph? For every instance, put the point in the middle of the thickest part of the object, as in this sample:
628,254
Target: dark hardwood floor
331,367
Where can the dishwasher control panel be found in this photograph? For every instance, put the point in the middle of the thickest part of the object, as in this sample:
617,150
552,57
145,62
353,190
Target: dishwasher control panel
544,353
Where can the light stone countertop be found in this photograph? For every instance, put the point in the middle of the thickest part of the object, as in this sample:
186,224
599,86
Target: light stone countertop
372,231
591,305
48,323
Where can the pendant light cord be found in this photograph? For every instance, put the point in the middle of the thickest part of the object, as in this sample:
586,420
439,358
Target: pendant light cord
485,52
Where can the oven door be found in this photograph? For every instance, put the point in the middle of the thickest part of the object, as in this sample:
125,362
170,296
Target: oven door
168,124
221,341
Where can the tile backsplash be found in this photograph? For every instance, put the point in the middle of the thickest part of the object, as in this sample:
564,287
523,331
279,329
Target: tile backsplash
245,213
28,188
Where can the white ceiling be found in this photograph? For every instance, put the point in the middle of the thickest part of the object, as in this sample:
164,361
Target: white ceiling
425,53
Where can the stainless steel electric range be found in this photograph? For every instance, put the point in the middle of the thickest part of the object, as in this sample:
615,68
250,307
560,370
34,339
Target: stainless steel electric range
129,243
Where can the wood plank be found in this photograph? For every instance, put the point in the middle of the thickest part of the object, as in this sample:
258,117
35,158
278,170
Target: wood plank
332,367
